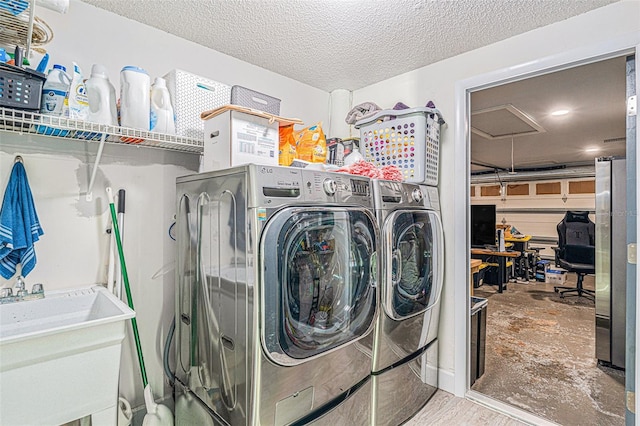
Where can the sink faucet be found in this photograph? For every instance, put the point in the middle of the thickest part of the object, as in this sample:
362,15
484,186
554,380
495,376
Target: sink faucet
7,295
20,287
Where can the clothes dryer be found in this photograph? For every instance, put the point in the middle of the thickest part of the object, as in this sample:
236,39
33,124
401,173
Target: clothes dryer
405,348
275,287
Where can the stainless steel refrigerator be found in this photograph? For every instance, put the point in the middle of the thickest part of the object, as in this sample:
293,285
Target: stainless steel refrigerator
611,267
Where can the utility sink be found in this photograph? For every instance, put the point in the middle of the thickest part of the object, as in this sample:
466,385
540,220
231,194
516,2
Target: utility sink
60,357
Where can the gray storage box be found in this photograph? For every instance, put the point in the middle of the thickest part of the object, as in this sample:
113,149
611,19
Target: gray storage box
254,100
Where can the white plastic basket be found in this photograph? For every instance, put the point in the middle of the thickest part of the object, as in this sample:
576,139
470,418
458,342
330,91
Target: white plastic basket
190,96
408,139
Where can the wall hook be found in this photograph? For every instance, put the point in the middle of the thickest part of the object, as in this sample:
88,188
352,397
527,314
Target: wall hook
18,159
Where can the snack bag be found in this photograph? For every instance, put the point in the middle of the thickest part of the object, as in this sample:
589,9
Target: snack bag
312,144
287,149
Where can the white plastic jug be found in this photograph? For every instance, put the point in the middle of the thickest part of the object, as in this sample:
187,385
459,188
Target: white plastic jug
162,119
134,98
102,97
55,90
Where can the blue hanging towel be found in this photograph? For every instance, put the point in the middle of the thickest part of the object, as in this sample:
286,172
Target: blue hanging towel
19,225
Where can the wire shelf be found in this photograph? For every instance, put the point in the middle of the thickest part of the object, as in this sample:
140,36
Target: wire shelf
26,122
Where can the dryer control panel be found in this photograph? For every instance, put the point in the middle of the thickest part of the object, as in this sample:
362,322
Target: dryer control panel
392,195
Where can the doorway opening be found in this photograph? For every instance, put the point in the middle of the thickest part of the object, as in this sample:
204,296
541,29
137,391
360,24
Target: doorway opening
540,344
540,347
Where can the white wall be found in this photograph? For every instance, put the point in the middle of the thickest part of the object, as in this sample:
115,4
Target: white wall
73,251
437,82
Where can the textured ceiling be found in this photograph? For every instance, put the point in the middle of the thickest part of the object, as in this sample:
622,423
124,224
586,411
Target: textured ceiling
346,44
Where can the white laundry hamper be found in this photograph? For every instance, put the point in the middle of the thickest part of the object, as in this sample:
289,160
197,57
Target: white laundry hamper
408,139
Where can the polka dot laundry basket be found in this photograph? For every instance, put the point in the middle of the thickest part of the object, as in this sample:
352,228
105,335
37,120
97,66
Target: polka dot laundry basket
407,138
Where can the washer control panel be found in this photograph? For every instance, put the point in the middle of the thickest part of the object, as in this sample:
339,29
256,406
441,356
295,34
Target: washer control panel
290,185
330,186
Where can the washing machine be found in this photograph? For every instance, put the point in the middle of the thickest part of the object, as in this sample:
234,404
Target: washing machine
405,345
275,287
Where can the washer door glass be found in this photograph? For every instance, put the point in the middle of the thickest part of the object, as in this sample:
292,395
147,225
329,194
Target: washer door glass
318,281
414,278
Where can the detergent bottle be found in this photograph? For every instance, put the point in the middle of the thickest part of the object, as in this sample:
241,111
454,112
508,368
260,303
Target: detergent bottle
162,119
134,98
54,91
77,103
102,97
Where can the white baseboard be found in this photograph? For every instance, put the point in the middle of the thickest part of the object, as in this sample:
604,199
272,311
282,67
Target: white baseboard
446,381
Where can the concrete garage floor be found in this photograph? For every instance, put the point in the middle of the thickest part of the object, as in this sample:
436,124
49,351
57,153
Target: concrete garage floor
540,356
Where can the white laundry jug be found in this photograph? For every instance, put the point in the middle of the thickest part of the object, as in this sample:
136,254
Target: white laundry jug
134,98
55,90
162,119
102,97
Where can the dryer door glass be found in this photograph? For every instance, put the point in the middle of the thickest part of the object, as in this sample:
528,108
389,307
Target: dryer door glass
318,281
413,280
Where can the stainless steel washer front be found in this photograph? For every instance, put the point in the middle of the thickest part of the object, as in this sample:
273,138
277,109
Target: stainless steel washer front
276,287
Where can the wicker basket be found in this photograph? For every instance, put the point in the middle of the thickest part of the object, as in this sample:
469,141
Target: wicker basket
408,139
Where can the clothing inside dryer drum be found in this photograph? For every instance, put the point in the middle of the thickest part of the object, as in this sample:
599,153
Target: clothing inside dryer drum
412,266
326,280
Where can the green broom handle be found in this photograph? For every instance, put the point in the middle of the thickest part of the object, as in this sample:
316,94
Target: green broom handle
125,278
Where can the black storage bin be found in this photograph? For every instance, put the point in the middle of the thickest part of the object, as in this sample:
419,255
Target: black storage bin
478,337
20,88
491,273
478,277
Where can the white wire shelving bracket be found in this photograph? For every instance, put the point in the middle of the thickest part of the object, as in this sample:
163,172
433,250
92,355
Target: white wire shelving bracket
30,123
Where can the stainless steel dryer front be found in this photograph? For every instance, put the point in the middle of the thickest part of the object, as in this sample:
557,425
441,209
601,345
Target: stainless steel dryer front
405,350
275,287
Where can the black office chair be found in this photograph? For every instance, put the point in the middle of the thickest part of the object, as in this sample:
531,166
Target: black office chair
576,250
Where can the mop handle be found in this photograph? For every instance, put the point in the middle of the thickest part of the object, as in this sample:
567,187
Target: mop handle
125,278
